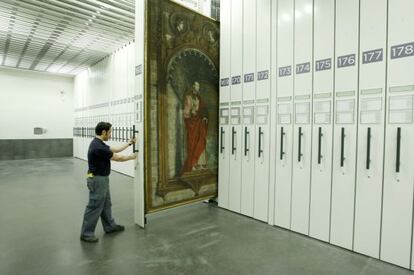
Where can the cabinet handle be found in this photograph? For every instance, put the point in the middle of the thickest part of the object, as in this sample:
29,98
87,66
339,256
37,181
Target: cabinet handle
300,145
260,141
246,134
221,139
368,164
319,144
282,136
134,131
342,146
397,164
233,133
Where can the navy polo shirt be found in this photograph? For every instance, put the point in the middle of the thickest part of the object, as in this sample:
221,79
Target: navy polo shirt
99,158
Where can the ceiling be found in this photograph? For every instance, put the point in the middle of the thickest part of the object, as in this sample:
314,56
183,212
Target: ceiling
62,36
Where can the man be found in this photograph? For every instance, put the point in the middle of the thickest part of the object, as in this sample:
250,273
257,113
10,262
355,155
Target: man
99,162
196,124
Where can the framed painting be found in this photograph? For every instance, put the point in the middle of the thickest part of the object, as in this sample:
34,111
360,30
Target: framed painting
181,105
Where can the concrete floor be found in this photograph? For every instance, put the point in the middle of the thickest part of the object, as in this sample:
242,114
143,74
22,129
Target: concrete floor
41,206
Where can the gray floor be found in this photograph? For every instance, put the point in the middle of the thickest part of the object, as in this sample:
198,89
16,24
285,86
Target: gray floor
42,202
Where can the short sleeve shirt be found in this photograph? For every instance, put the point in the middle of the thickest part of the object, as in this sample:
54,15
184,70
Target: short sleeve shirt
99,158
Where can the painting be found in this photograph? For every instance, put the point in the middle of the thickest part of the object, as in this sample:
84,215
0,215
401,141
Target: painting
182,94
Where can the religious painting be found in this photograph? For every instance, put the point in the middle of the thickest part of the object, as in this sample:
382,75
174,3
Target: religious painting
182,94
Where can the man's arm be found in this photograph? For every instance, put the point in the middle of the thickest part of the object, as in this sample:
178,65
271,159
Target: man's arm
122,147
119,158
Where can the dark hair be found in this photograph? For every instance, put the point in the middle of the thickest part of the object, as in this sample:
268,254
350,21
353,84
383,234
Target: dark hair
102,126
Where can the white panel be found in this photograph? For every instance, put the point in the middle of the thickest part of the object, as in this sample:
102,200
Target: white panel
324,16
235,112
225,43
303,87
263,35
225,82
139,189
236,52
247,188
273,115
346,79
370,162
224,160
235,167
249,49
284,133
261,187
397,212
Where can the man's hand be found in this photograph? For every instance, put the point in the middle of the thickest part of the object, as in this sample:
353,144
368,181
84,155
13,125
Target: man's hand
132,141
122,147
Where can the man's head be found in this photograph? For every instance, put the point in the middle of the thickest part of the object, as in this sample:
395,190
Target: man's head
103,130
196,87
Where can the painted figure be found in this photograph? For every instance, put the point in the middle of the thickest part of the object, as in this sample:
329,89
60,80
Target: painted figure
196,125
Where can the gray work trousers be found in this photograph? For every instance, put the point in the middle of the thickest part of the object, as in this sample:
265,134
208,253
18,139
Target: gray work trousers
99,205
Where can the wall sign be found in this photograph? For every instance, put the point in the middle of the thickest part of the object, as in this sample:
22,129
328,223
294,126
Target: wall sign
323,64
236,80
402,50
249,77
224,82
303,68
263,75
285,71
372,56
346,60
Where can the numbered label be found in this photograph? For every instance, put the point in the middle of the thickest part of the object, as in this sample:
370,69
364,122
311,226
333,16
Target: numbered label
303,68
324,64
285,71
263,75
403,50
235,80
138,69
372,56
224,82
346,60
249,77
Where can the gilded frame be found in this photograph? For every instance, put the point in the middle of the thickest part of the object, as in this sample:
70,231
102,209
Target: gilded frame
166,185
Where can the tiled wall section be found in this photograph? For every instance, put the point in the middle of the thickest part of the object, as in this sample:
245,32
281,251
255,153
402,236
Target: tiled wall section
14,149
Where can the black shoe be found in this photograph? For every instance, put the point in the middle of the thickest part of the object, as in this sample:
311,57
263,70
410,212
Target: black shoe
116,228
89,239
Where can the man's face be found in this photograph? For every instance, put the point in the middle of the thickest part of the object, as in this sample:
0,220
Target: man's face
106,135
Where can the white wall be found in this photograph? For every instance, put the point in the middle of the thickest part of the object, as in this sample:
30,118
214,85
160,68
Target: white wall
31,99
